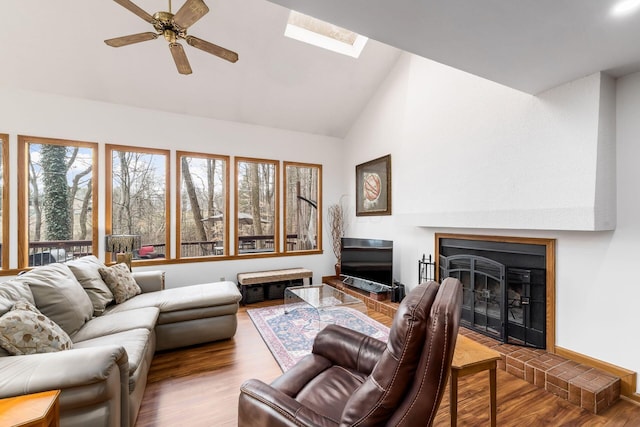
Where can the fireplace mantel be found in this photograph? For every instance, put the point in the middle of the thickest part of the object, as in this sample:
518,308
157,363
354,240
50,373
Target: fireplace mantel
566,219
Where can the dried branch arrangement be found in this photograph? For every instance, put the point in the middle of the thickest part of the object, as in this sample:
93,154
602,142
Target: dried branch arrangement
336,227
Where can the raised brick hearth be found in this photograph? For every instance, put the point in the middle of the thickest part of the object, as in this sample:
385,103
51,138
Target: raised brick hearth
587,387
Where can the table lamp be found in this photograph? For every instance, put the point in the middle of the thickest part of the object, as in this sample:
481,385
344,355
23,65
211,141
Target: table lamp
122,245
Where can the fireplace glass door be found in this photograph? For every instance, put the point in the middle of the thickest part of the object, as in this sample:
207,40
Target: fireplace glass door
482,291
526,307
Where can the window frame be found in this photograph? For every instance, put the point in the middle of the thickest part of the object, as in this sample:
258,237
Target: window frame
23,191
5,202
276,216
109,149
206,156
285,210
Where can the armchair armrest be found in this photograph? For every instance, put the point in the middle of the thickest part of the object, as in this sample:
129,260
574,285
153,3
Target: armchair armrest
261,405
149,281
64,369
309,367
348,348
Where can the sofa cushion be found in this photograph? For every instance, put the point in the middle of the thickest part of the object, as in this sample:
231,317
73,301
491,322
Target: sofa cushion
120,281
13,291
59,296
144,318
138,343
5,305
87,271
186,298
24,330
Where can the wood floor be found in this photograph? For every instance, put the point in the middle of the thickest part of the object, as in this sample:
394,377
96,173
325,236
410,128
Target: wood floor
199,386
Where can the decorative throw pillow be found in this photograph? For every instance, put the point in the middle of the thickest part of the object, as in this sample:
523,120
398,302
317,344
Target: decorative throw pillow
120,281
24,330
86,270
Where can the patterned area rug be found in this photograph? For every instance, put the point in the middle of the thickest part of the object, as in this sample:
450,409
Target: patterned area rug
290,336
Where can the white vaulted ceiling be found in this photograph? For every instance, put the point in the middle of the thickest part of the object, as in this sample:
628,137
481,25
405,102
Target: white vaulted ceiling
530,45
57,46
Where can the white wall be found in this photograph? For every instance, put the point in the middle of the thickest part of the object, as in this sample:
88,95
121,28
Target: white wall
445,114
556,157
37,114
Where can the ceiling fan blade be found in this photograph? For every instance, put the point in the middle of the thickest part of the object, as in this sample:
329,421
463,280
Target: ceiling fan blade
189,13
135,9
180,58
212,48
131,39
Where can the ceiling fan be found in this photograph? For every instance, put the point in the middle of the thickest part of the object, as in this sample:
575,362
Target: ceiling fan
173,27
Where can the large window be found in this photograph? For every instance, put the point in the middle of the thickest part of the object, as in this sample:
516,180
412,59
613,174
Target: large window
203,207
303,189
256,206
4,199
58,200
137,198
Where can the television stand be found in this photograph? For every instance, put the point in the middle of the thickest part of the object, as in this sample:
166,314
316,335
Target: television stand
366,285
380,303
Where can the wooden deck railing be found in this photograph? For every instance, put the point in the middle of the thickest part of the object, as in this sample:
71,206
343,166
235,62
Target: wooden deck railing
47,252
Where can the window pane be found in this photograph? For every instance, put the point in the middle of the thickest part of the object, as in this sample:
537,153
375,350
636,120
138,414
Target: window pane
256,206
60,194
203,205
139,200
302,207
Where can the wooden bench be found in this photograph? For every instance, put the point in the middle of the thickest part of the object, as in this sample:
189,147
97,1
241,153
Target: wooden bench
260,285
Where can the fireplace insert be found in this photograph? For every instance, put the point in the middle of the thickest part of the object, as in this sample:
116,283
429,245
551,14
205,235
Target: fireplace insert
504,288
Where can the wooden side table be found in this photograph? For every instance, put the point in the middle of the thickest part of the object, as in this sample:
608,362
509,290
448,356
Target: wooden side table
31,410
469,358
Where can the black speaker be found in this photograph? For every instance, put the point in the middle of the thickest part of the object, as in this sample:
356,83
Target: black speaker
397,292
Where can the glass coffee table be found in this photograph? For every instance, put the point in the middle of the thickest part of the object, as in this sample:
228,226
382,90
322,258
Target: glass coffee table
323,299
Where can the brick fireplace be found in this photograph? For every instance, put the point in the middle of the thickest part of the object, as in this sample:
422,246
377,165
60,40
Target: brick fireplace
508,285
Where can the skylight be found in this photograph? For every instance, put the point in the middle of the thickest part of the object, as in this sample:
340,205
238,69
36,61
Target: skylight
625,7
322,34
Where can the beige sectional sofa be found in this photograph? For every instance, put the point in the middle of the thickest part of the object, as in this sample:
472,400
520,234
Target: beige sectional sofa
104,372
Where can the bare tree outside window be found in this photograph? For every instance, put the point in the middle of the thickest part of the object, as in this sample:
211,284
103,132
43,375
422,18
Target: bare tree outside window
203,205
138,198
303,206
60,186
256,206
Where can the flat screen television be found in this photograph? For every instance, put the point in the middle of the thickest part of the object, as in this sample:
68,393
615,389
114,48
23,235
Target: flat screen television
368,260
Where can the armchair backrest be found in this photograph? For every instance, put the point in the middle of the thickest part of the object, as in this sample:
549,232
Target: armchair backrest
407,384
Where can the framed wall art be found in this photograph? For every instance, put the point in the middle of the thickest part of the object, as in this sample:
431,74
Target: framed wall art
373,187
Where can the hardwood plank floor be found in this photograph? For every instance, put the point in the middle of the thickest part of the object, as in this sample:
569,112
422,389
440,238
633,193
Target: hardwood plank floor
199,386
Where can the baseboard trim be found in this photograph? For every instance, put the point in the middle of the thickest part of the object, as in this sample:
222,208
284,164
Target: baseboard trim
634,398
627,377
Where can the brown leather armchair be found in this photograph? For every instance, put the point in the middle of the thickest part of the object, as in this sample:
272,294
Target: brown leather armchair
351,379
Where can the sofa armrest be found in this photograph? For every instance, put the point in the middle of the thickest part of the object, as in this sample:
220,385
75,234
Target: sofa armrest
261,405
61,370
149,281
348,348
